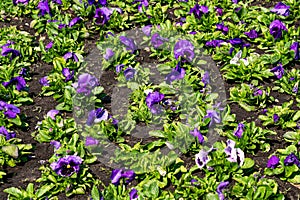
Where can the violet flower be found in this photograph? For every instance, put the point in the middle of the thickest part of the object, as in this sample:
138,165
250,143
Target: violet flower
44,8
129,73
86,83
176,74
43,81
147,30
276,28
67,165
295,47
90,141
219,11
74,21
69,55
6,51
49,45
108,54
198,10
157,40
117,174
214,117
184,49
133,194
235,1
239,131
196,133
67,74
235,154
281,9
119,68
21,83
273,162
222,27
15,2
205,79
278,71
8,135
102,15
56,144
257,92
10,110
292,159
238,41
52,114
96,116
23,72
142,3
129,43
101,2
202,158
295,88
152,101
275,118
57,1
220,189
214,43
252,34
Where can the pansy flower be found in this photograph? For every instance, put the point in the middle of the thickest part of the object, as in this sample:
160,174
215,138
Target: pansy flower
108,53
235,154
278,71
117,174
102,15
44,81
52,114
15,2
56,144
57,1
142,3
74,21
44,8
273,162
220,189
239,131
129,43
222,27
295,47
198,10
157,40
252,34
213,115
176,74
147,30
86,83
129,73
214,43
8,135
196,133
69,55
292,159
49,45
20,83
276,28
184,49
133,194
96,116
10,110
90,141
281,9
67,165
219,11
152,100
6,51
67,74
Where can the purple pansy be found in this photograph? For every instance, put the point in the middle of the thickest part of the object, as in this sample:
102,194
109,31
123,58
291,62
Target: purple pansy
90,141
235,154
184,49
57,1
235,1
117,174
152,100
295,47
95,116
15,2
142,3
102,15
292,159
23,72
222,27
214,43
275,118
196,133
6,51
219,11
49,45
74,21
44,8
213,115
157,40
8,135
69,55
67,74
198,10
147,30
119,68
52,114
56,144
238,41
257,92
44,81
202,158
67,165
101,2
133,194
281,9
220,189
252,34
10,110
278,71
295,88
239,131
129,43
129,73
276,28
176,74
273,162
20,83
108,54
86,83
205,79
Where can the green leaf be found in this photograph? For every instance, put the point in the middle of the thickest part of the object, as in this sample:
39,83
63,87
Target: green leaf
14,192
11,150
95,193
248,163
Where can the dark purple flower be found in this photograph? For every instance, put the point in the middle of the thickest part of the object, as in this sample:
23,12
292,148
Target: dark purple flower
129,73
129,43
142,3
23,72
95,116
213,115
239,131
222,27
220,189
86,83
44,7
67,165
235,1
119,68
278,71
21,83
231,50
152,101
219,11
147,30
61,26
276,28
205,79
196,133
176,74
15,2
69,55
193,32
56,144
292,159
252,34
49,45
11,110
184,49
257,92
67,74
273,162
198,10
102,2
74,21
275,118
194,182
117,174
44,82
6,51
133,194
102,15
295,88
281,9
295,47
108,54
52,114
8,135
157,40
57,1
90,141
236,41
214,43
